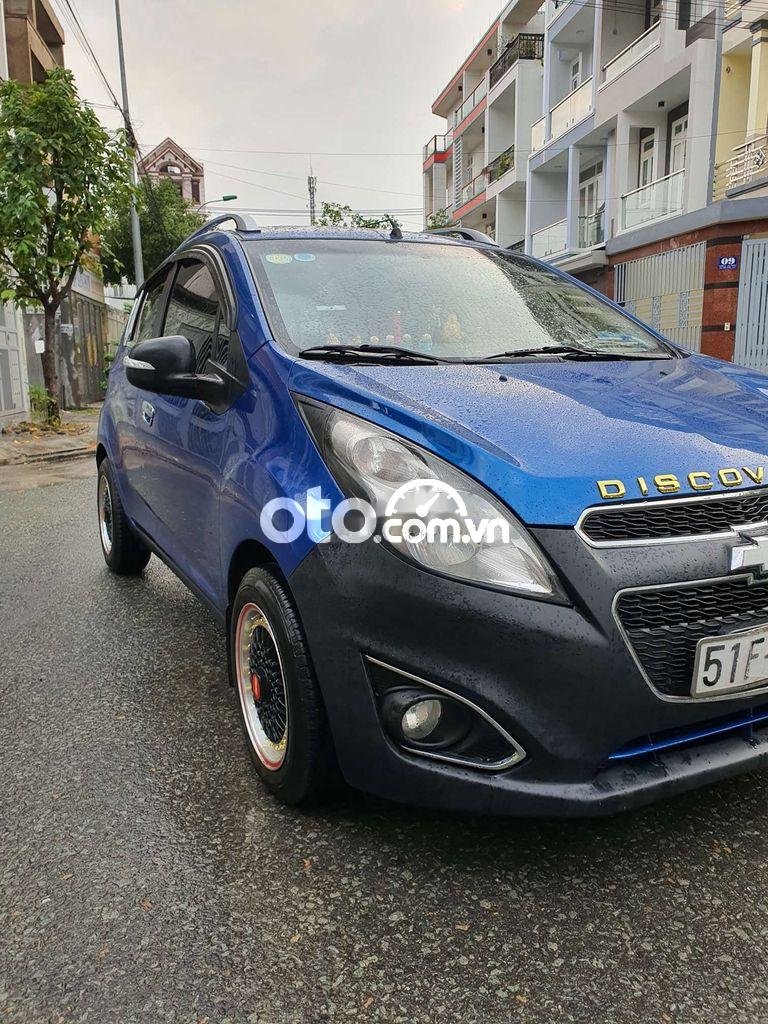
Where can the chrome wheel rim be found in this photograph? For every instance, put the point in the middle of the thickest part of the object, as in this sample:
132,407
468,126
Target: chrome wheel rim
105,514
261,686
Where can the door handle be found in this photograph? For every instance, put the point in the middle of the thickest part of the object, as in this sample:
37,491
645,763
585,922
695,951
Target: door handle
147,413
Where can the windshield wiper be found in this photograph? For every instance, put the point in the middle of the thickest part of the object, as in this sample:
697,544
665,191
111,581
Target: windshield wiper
567,352
351,353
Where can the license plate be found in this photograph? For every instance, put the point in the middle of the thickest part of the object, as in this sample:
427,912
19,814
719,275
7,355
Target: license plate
736,661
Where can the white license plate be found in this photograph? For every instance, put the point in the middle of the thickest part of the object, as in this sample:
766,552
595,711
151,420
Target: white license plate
736,661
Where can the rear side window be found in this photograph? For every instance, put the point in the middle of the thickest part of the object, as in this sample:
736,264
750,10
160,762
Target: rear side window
147,323
194,310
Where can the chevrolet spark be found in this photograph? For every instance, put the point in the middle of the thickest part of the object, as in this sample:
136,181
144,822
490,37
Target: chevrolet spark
479,538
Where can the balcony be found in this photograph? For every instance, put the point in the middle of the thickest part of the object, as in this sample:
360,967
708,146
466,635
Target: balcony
591,229
469,104
549,241
748,163
657,199
572,109
474,188
438,144
632,54
504,162
538,131
525,46
732,9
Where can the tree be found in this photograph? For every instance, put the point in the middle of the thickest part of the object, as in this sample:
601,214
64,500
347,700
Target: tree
438,219
334,215
166,220
61,173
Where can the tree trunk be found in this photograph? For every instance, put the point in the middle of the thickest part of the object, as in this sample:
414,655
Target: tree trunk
48,359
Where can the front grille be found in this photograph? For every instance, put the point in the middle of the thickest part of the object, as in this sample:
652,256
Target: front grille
669,519
663,625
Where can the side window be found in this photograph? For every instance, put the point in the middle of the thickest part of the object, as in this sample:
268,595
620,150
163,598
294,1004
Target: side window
194,310
147,325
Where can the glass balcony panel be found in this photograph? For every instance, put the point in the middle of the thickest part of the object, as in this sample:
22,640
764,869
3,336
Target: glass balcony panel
537,134
591,229
550,240
657,199
572,109
635,51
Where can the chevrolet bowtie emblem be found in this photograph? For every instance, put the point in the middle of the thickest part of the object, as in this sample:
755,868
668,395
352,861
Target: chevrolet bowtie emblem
754,553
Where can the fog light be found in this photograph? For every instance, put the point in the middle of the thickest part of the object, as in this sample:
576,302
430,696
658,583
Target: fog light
421,719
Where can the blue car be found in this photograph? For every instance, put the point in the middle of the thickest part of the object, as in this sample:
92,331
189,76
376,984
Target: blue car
479,538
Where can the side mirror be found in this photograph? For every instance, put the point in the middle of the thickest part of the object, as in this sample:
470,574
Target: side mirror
167,367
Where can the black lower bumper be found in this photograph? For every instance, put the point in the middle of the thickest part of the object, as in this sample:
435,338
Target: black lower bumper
559,678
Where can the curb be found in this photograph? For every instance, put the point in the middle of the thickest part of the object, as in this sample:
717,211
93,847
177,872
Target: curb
68,453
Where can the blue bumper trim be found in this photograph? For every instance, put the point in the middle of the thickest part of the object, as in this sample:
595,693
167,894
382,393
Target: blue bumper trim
681,737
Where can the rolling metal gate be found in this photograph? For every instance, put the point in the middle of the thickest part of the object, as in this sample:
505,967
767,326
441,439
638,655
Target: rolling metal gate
752,317
666,291
12,382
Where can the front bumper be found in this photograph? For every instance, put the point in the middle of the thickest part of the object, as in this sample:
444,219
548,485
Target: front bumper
560,679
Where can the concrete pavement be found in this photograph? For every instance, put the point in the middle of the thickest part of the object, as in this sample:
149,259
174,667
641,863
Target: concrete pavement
145,876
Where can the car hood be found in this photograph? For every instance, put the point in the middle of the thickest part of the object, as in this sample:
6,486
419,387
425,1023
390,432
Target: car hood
542,434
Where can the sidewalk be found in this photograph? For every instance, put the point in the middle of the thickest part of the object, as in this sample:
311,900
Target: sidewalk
78,437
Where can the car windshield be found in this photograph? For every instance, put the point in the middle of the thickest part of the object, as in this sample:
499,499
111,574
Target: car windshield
445,300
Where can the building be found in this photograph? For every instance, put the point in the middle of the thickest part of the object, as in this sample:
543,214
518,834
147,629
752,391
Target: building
34,38
647,167
31,41
169,161
475,170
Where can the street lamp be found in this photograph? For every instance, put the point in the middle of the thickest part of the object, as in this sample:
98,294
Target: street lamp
223,199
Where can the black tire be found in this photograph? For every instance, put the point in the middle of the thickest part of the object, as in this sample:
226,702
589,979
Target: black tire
305,745
124,551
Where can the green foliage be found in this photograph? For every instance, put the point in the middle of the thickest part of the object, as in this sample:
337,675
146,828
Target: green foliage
42,405
334,215
61,173
166,220
439,219
109,358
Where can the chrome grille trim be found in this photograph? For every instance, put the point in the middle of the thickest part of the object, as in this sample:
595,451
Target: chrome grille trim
656,503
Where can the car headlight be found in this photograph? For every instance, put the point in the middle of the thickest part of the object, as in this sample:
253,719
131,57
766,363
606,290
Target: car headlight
430,512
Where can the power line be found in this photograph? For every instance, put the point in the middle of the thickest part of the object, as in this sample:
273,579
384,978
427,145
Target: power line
322,181
71,17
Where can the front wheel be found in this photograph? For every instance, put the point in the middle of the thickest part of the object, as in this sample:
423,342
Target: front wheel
281,708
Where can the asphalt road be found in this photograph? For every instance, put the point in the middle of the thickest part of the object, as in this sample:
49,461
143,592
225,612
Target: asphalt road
144,876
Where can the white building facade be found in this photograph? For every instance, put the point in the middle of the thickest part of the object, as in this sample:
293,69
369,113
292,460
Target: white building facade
644,169
14,401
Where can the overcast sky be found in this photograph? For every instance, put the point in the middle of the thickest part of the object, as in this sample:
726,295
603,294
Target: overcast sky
250,86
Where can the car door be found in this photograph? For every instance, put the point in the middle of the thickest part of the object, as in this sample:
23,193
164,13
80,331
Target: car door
184,439
128,405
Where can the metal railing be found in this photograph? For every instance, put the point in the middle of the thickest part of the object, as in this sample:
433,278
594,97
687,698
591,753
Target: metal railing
749,161
472,188
538,129
525,46
591,229
550,240
657,199
479,93
636,50
504,162
572,109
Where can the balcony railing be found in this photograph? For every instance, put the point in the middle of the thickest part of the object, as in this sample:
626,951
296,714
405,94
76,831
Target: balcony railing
657,199
550,240
469,104
572,109
634,52
749,161
438,144
525,46
591,229
537,134
504,162
475,187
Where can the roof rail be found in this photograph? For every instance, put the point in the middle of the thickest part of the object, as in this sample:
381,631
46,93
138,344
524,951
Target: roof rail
246,223
468,234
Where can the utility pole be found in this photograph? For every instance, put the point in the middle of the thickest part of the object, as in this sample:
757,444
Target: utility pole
138,258
312,185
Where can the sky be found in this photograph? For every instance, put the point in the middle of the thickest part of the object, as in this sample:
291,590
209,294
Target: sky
256,89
